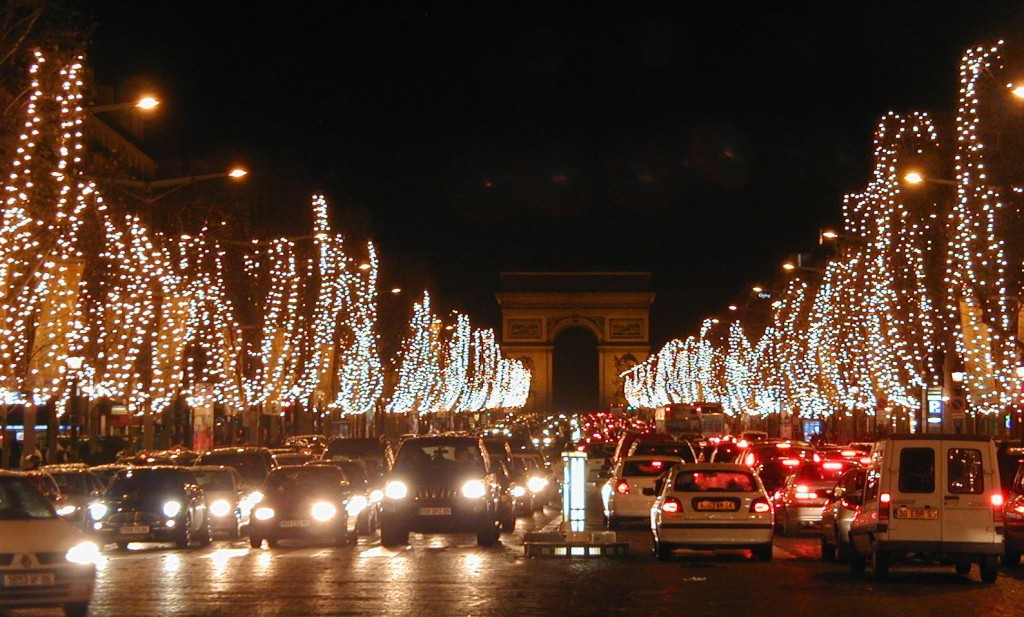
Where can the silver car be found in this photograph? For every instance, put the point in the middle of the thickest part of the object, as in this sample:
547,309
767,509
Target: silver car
837,513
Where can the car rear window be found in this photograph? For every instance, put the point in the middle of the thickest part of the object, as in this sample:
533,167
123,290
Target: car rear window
917,470
646,468
683,451
706,481
965,472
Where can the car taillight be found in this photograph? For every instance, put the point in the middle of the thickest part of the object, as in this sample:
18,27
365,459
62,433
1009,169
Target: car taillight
760,506
790,462
832,465
622,488
805,492
884,503
997,507
671,505
749,459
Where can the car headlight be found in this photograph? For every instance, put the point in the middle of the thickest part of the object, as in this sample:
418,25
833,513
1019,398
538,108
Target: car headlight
97,511
474,489
323,511
518,491
221,507
396,490
537,484
376,495
356,505
172,509
263,513
83,553
67,510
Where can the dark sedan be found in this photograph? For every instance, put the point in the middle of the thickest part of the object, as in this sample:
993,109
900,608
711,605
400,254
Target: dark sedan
152,504
443,484
303,502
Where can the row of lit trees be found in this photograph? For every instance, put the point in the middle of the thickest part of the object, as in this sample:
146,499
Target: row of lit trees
151,320
923,285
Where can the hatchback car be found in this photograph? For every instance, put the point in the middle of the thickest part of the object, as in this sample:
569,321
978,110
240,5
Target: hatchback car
364,505
229,504
711,506
152,504
799,502
838,511
303,502
79,487
629,492
253,463
44,560
444,484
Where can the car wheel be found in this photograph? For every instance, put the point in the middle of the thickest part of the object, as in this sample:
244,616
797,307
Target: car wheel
509,524
255,542
185,539
76,609
363,524
857,563
763,552
236,530
662,551
389,536
488,536
844,552
880,564
828,551
962,566
989,569
123,545
1011,556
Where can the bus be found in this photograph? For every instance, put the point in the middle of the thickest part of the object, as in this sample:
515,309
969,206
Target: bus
691,420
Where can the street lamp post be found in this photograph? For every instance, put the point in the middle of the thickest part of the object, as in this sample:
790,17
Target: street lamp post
151,191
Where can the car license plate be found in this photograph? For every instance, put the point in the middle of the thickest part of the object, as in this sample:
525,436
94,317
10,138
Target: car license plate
716,505
134,530
435,511
295,523
914,513
38,579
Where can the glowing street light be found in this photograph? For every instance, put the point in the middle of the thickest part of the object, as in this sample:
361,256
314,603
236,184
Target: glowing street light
171,184
915,178
145,103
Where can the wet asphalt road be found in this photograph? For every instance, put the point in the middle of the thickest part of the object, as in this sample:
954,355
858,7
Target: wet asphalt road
450,575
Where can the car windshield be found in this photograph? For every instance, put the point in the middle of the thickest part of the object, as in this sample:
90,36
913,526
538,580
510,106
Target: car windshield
19,500
252,468
702,481
354,471
431,454
215,479
301,479
76,484
134,481
646,468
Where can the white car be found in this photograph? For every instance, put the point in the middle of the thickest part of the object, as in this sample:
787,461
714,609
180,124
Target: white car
52,563
709,506
629,491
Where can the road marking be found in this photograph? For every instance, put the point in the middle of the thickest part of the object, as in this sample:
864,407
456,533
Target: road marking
553,525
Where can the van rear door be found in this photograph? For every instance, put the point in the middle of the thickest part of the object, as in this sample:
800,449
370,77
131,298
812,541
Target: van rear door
916,499
968,478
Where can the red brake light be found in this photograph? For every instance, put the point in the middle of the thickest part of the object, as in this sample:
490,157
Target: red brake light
790,462
671,505
657,464
832,466
622,488
884,502
749,459
743,443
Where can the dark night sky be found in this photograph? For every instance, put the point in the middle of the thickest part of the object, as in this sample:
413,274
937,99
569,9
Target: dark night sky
703,144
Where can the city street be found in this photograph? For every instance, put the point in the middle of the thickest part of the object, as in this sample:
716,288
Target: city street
450,575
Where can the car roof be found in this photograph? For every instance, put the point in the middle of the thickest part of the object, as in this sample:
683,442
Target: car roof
715,467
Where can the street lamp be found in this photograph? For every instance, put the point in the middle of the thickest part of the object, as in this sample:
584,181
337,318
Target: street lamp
915,178
148,187
74,364
145,103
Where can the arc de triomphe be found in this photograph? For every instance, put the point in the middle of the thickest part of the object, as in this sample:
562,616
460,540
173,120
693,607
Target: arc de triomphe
613,306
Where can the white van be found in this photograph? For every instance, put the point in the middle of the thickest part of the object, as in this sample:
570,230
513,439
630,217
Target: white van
931,497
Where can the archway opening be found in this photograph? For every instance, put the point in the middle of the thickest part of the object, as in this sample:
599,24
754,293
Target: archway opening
575,374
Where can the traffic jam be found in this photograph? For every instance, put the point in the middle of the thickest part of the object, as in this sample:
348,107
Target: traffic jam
870,504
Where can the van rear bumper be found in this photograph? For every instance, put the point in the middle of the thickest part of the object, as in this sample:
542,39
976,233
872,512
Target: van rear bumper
949,548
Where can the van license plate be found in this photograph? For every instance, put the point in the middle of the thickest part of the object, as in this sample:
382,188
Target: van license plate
435,511
44,579
913,513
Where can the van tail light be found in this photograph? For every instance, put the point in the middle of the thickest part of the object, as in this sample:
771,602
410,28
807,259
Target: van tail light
997,508
760,506
804,492
671,505
622,488
884,505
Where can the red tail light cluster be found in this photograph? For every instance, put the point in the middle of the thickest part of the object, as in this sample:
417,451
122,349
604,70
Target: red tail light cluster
760,506
671,505
884,506
622,488
997,508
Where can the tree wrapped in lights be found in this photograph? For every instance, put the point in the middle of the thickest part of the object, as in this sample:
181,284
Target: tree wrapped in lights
419,360
360,379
